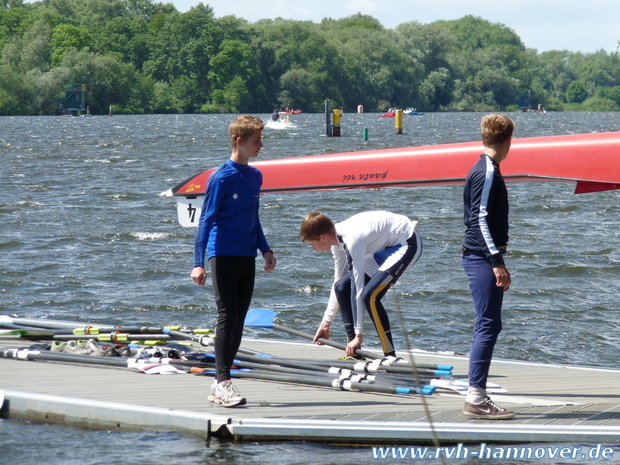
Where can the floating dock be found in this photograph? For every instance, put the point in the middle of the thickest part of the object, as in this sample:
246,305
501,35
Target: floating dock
552,403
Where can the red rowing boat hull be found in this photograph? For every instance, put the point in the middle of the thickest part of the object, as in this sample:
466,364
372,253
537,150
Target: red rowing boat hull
590,160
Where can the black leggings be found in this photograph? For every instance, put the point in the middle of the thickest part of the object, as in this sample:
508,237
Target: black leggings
233,284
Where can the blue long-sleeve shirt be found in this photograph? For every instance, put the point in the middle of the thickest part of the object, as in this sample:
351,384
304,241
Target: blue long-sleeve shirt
229,223
485,200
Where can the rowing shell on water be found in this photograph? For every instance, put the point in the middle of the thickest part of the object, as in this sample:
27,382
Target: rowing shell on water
592,161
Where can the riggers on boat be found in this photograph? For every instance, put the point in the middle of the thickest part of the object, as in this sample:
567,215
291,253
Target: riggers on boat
589,160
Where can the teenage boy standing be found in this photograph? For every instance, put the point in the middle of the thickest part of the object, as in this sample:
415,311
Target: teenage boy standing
485,200
230,233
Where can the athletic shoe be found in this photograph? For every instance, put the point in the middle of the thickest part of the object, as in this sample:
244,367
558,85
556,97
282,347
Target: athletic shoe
225,394
487,410
357,358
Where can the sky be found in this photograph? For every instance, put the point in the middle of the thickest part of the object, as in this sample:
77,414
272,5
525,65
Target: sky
576,25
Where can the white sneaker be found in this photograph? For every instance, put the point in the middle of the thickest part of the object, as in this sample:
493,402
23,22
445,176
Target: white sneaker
225,394
487,410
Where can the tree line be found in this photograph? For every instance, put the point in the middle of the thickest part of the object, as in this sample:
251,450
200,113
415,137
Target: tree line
140,56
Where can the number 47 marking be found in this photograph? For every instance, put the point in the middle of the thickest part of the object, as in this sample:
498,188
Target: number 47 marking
188,210
191,210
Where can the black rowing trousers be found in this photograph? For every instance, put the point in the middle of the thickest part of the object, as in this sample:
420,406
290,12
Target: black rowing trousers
233,285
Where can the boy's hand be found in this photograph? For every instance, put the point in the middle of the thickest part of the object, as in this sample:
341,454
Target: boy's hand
199,275
502,277
322,332
355,344
270,261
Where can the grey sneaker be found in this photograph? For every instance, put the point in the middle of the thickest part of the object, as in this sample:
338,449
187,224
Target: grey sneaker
225,394
487,410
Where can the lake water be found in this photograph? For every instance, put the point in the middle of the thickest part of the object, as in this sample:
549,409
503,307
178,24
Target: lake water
84,235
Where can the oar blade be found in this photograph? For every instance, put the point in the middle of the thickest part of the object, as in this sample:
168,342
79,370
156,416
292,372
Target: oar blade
260,318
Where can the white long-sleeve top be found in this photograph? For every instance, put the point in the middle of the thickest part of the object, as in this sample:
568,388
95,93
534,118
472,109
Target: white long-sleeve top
364,234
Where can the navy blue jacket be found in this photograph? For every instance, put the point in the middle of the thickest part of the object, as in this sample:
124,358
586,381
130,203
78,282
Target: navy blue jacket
485,200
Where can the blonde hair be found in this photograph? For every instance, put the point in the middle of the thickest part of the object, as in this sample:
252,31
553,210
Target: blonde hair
244,126
496,129
314,225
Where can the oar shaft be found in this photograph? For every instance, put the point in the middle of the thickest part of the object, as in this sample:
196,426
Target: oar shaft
280,369
327,342
280,361
114,337
45,323
389,368
25,354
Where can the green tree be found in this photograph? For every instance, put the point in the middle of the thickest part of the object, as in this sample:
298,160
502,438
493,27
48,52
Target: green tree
281,46
16,92
473,33
92,14
233,97
484,84
232,60
141,55
14,21
576,92
184,46
50,87
555,71
109,81
599,104
375,70
65,37
599,69
30,51
128,38
435,91
611,93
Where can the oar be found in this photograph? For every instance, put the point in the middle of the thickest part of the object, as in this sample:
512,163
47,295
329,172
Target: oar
267,362
79,328
297,367
343,385
149,366
301,369
118,337
370,367
84,330
114,335
26,334
322,366
382,363
263,318
44,323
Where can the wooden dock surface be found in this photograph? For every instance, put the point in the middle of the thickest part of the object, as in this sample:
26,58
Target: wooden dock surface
553,403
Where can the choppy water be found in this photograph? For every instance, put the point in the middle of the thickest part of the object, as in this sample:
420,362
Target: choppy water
84,235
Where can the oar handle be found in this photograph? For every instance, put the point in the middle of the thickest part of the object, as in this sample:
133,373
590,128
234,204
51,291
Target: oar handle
327,342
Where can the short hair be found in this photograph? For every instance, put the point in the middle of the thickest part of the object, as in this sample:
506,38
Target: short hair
496,129
314,225
244,126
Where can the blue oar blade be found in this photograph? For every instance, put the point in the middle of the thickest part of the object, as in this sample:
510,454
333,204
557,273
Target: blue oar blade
260,318
445,367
